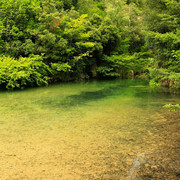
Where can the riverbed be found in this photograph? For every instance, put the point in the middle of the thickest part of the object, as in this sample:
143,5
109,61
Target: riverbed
89,130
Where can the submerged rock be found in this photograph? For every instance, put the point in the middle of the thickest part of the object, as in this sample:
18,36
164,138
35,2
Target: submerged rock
140,159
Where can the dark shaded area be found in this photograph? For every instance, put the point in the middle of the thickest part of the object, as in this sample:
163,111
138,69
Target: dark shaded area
122,89
83,98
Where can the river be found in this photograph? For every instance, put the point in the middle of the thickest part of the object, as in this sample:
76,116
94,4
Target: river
89,130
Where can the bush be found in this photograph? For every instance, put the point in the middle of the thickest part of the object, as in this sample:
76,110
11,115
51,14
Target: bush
164,77
172,107
29,71
123,66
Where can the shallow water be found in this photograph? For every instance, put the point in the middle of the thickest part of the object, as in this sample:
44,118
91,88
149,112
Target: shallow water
89,130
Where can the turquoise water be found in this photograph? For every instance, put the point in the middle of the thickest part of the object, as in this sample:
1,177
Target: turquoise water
88,130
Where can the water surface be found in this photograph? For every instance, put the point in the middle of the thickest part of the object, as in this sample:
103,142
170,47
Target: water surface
88,130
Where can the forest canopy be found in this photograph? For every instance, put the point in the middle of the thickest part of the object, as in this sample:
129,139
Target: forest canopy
47,41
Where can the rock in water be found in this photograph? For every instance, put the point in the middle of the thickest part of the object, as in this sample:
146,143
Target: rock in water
140,159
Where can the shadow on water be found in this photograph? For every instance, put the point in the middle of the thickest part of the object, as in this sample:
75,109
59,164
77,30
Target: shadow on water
85,97
120,90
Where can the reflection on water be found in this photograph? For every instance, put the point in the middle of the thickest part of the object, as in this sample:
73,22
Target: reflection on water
92,130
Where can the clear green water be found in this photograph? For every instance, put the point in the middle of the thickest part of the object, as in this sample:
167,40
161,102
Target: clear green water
89,130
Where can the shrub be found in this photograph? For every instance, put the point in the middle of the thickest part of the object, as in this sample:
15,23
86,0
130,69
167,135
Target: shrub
164,77
29,71
172,107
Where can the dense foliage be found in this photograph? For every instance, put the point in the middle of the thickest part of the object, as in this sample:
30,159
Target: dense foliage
44,41
23,72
